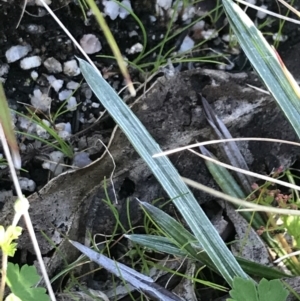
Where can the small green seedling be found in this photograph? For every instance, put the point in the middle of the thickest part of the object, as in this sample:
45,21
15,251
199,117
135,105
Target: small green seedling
58,143
20,281
143,61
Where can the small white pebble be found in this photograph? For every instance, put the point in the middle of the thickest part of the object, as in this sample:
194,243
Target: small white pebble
152,19
27,184
123,13
64,129
53,65
30,62
210,34
187,44
132,33
81,117
64,94
34,28
90,43
57,157
73,85
4,69
51,79
136,48
57,84
81,159
72,104
95,105
26,124
40,101
71,68
88,93
60,126
165,4
199,25
64,135
111,9
15,53
260,14
34,75
68,127
188,13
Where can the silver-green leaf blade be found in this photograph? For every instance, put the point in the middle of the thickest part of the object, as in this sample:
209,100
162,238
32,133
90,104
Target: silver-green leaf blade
165,173
265,62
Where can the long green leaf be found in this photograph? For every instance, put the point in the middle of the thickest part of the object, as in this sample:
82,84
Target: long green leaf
265,62
165,173
163,244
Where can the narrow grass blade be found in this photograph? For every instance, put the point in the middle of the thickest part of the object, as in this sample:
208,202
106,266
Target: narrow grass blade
6,122
229,186
159,244
264,60
112,43
230,149
163,244
165,173
140,281
172,229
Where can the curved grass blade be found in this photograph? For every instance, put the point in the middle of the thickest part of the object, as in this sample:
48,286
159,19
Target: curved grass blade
163,244
264,60
165,173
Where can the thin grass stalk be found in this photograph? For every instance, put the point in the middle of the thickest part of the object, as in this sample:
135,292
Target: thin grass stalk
24,211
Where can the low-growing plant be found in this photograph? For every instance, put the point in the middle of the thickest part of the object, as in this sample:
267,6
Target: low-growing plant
57,142
145,64
20,281
247,290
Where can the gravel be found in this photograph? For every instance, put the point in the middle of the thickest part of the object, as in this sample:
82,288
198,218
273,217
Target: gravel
30,62
90,44
15,53
53,65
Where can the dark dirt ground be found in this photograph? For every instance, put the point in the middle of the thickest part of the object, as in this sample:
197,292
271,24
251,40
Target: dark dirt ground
53,42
